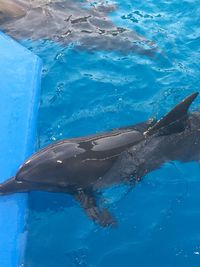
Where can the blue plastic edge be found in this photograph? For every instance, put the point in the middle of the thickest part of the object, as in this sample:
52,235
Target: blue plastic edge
20,77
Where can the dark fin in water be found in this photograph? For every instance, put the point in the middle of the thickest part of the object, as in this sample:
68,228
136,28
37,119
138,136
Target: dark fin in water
12,186
88,202
175,127
174,121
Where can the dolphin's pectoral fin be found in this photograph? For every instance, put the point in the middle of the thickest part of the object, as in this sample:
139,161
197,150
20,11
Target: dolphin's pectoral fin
175,120
88,201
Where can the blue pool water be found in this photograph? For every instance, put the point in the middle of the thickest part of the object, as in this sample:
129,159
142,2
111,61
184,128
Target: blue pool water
86,92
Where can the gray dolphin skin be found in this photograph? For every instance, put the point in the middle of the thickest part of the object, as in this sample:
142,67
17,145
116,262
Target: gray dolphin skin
84,166
70,21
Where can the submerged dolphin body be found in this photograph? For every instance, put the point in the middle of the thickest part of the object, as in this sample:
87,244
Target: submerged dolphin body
70,22
83,166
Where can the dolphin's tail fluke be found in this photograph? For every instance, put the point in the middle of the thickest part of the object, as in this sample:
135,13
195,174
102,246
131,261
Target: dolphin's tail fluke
11,186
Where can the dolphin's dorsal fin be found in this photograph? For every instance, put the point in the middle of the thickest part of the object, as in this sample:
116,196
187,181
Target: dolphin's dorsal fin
175,116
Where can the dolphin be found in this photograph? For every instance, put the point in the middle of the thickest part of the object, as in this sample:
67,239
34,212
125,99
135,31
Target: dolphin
68,22
83,166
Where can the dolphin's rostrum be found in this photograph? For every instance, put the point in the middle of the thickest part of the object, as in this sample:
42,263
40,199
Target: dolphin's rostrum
83,166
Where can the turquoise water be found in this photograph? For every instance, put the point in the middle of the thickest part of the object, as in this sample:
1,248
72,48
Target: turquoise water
86,92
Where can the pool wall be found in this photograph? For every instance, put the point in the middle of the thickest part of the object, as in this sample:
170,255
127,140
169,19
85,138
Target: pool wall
20,76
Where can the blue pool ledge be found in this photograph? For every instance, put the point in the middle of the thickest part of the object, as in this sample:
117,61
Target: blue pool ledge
20,75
